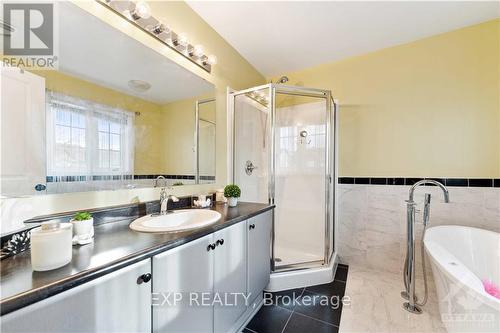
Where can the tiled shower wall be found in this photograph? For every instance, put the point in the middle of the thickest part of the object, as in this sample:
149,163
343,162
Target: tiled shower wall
372,220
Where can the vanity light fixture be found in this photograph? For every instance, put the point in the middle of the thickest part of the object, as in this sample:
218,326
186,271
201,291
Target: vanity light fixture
258,97
139,14
141,10
211,60
160,28
182,39
196,51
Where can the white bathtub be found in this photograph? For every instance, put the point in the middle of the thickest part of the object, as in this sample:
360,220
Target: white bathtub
461,258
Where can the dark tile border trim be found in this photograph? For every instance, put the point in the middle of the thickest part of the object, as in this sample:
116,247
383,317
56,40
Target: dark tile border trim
190,177
464,182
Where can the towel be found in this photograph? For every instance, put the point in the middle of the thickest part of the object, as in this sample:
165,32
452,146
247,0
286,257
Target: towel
491,289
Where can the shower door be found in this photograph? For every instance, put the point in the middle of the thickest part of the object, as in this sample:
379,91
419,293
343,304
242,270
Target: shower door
251,143
301,177
282,154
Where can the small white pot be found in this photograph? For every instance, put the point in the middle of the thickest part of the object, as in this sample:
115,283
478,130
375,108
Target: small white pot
83,228
232,202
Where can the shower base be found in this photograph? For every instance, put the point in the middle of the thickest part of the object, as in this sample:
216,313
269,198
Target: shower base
303,277
285,256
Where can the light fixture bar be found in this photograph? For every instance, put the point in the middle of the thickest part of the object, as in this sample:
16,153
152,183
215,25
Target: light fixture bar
138,13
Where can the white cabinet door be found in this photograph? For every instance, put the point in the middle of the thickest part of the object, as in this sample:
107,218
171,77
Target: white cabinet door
113,303
23,163
259,230
187,272
229,277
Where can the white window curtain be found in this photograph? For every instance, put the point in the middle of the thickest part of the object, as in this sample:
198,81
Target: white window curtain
88,141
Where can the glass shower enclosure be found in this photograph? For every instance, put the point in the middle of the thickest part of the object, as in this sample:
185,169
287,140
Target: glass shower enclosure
283,152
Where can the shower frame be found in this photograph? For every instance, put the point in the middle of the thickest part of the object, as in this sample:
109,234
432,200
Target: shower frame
330,163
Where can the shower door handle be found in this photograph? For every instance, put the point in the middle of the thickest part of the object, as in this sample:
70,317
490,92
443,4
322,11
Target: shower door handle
249,168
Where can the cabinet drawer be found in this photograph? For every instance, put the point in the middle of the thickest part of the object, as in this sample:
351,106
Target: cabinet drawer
112,303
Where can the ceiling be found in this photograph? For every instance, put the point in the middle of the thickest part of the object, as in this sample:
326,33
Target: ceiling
279,37
94,51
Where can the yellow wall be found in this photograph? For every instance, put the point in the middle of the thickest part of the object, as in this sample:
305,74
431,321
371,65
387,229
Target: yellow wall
148,144
430,108
178,137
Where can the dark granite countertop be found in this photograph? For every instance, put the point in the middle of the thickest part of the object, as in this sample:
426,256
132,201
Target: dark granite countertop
115,246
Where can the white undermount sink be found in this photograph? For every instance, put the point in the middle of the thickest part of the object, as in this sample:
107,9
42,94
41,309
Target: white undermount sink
179,220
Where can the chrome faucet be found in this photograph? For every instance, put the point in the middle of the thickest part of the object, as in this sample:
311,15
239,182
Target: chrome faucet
430,181
409,269
155,182
164,197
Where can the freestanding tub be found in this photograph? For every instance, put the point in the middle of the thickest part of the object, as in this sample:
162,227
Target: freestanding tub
461,259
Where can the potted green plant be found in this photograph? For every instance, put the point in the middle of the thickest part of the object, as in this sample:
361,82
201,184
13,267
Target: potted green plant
232,193
83,224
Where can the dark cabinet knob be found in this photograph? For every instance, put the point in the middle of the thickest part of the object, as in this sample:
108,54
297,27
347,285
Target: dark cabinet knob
211,247
40,187
144,278
251,226
220,242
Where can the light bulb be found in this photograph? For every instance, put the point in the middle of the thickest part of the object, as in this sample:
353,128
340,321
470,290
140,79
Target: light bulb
183,39
198,50
212,60
141,10
160,28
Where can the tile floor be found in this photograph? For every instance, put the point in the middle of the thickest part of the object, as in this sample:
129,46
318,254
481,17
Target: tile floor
376,305
314,309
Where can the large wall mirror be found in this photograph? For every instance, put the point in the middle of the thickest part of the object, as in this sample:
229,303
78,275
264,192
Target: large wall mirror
115,114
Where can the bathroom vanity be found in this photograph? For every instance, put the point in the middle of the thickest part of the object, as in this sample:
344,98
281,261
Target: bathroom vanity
132,281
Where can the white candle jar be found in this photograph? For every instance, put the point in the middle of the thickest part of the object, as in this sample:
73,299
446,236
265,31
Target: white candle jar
51,245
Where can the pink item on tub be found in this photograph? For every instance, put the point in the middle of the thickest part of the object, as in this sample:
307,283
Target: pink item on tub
491,289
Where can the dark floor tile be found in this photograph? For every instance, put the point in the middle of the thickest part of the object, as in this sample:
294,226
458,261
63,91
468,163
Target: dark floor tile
496,182
335,288
341,274
284,298
300,324
320,307
269,319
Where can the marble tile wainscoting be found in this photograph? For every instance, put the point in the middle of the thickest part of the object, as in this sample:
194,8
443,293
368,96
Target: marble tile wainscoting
372,231
372,219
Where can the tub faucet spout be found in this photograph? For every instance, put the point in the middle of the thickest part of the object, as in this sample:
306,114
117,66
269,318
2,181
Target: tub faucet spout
433,182
409,269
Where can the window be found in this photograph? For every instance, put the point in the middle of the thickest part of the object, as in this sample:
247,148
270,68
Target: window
86,140
109,146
